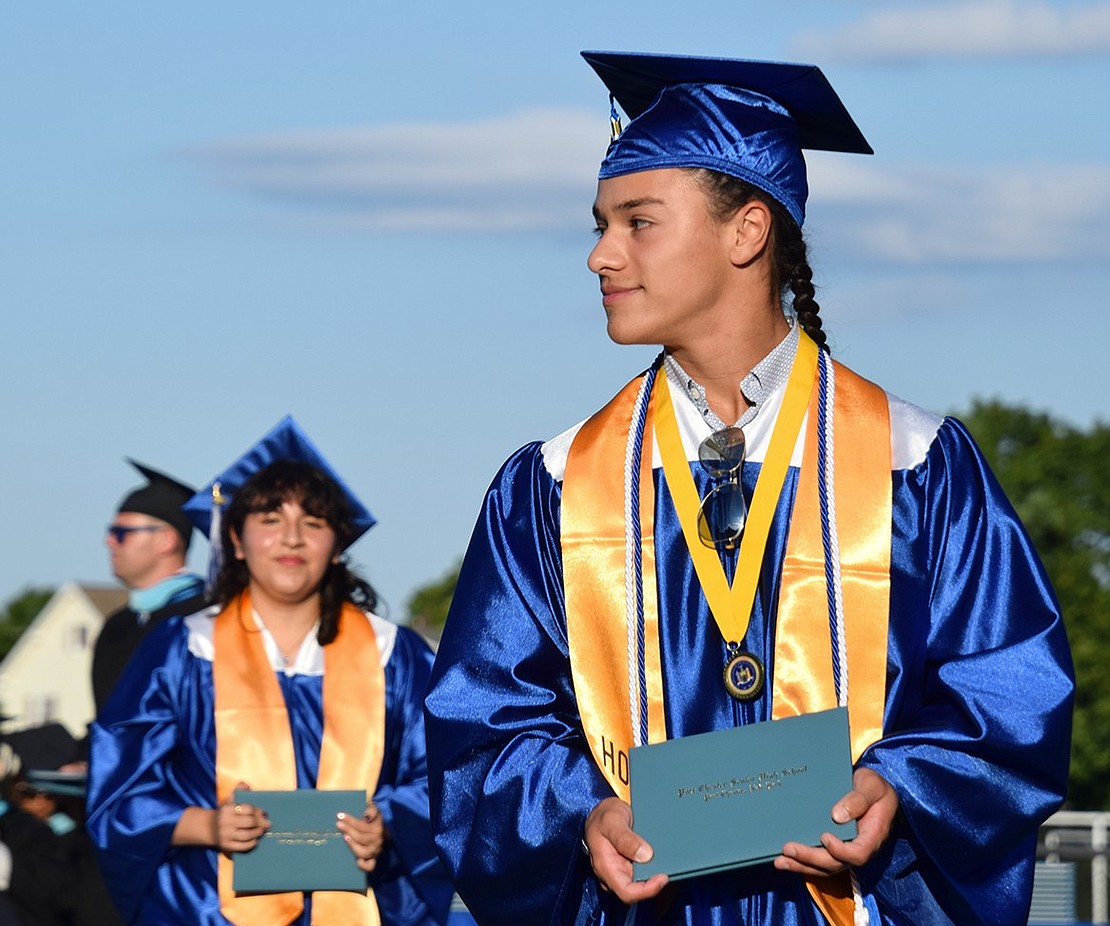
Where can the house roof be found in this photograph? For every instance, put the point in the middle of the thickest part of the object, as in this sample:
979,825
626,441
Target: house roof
105,598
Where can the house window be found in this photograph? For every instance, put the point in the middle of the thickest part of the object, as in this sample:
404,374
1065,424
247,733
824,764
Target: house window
76,638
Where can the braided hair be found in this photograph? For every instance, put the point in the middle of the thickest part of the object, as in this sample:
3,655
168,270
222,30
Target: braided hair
790,268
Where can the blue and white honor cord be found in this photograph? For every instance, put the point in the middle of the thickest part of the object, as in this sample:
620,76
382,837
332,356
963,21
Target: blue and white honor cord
826,493
633,563
633,560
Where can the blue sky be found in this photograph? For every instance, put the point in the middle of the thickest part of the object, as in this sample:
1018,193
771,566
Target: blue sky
376,216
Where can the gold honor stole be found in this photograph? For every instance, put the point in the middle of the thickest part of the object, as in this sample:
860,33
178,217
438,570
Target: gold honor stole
254,744
595,537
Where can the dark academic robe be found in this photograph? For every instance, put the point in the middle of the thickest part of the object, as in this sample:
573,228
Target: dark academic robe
124,630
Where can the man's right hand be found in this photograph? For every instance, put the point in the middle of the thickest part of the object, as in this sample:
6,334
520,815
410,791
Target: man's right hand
613,847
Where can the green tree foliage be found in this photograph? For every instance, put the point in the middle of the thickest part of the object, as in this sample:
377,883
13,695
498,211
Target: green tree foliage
428,605
18,614
1058,479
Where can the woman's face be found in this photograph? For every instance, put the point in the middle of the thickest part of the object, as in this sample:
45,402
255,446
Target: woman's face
287,552
664,262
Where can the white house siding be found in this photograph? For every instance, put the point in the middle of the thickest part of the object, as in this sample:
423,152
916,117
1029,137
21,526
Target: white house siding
47,675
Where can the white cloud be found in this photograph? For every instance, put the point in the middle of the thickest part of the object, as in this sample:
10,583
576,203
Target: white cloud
533,171
994,214
528,170
976,28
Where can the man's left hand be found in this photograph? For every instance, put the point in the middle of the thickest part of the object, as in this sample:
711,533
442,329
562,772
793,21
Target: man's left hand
873,803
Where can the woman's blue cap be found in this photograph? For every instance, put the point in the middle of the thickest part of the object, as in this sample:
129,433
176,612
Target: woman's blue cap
284,441
747,119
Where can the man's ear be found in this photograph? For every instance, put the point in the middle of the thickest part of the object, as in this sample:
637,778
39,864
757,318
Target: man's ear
751,229
167,541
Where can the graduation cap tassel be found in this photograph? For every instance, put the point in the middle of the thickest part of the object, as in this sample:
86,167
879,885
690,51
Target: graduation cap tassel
614,118
215,539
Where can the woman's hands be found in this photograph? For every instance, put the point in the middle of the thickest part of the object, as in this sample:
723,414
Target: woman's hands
365,836
239,826
231,827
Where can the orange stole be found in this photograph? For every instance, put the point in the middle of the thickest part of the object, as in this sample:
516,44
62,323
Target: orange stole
593,546
254,744
803,676
593,538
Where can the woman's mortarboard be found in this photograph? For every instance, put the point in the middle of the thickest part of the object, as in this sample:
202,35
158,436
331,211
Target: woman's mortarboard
747,119
162,498
284,441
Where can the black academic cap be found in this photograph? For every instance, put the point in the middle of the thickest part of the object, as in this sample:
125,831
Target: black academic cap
162,498
44,748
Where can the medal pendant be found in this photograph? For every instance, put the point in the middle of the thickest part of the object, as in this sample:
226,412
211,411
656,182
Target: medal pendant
744,676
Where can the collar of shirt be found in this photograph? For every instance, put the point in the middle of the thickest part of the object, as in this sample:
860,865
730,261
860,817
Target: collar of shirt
179,585
765,377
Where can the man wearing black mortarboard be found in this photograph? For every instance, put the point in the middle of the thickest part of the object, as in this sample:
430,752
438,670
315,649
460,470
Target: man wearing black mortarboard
148,540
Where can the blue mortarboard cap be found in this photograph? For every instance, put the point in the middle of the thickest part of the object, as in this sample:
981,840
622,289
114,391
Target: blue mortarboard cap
284,441
747,119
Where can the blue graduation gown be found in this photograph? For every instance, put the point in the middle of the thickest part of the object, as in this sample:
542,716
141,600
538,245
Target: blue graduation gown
153,754
976,721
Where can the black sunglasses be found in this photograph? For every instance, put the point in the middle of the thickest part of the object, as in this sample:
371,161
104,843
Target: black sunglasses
724,510
119,532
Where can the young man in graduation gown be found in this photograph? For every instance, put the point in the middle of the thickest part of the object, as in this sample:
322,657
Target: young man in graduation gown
148,541
747,532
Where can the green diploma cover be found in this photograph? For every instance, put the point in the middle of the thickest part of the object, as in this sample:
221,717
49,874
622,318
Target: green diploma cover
302,850
735,797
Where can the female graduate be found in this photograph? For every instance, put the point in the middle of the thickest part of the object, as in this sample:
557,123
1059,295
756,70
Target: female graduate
747,532
291,682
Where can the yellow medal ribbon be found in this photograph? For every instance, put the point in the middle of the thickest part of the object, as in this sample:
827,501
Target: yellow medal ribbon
255,744
594,534
732,608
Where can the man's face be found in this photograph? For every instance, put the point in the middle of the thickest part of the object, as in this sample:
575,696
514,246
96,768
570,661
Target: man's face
663,260
138,551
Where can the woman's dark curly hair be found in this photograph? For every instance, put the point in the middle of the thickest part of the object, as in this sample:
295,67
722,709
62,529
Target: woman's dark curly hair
320,496
790,270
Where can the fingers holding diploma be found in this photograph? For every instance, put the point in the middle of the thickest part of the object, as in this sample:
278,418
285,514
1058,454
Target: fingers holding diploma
364,836
239,826
873,803
613,847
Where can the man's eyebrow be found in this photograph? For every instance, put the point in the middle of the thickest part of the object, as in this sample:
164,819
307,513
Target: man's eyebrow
629,204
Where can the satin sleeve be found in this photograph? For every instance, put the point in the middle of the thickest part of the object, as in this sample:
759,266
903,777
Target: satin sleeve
980,686
135,798
410,883
509,773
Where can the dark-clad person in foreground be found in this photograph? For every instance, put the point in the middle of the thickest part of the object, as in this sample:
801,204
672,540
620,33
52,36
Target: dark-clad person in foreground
290,682
749,531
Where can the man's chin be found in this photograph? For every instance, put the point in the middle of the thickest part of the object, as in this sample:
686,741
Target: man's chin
619,335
